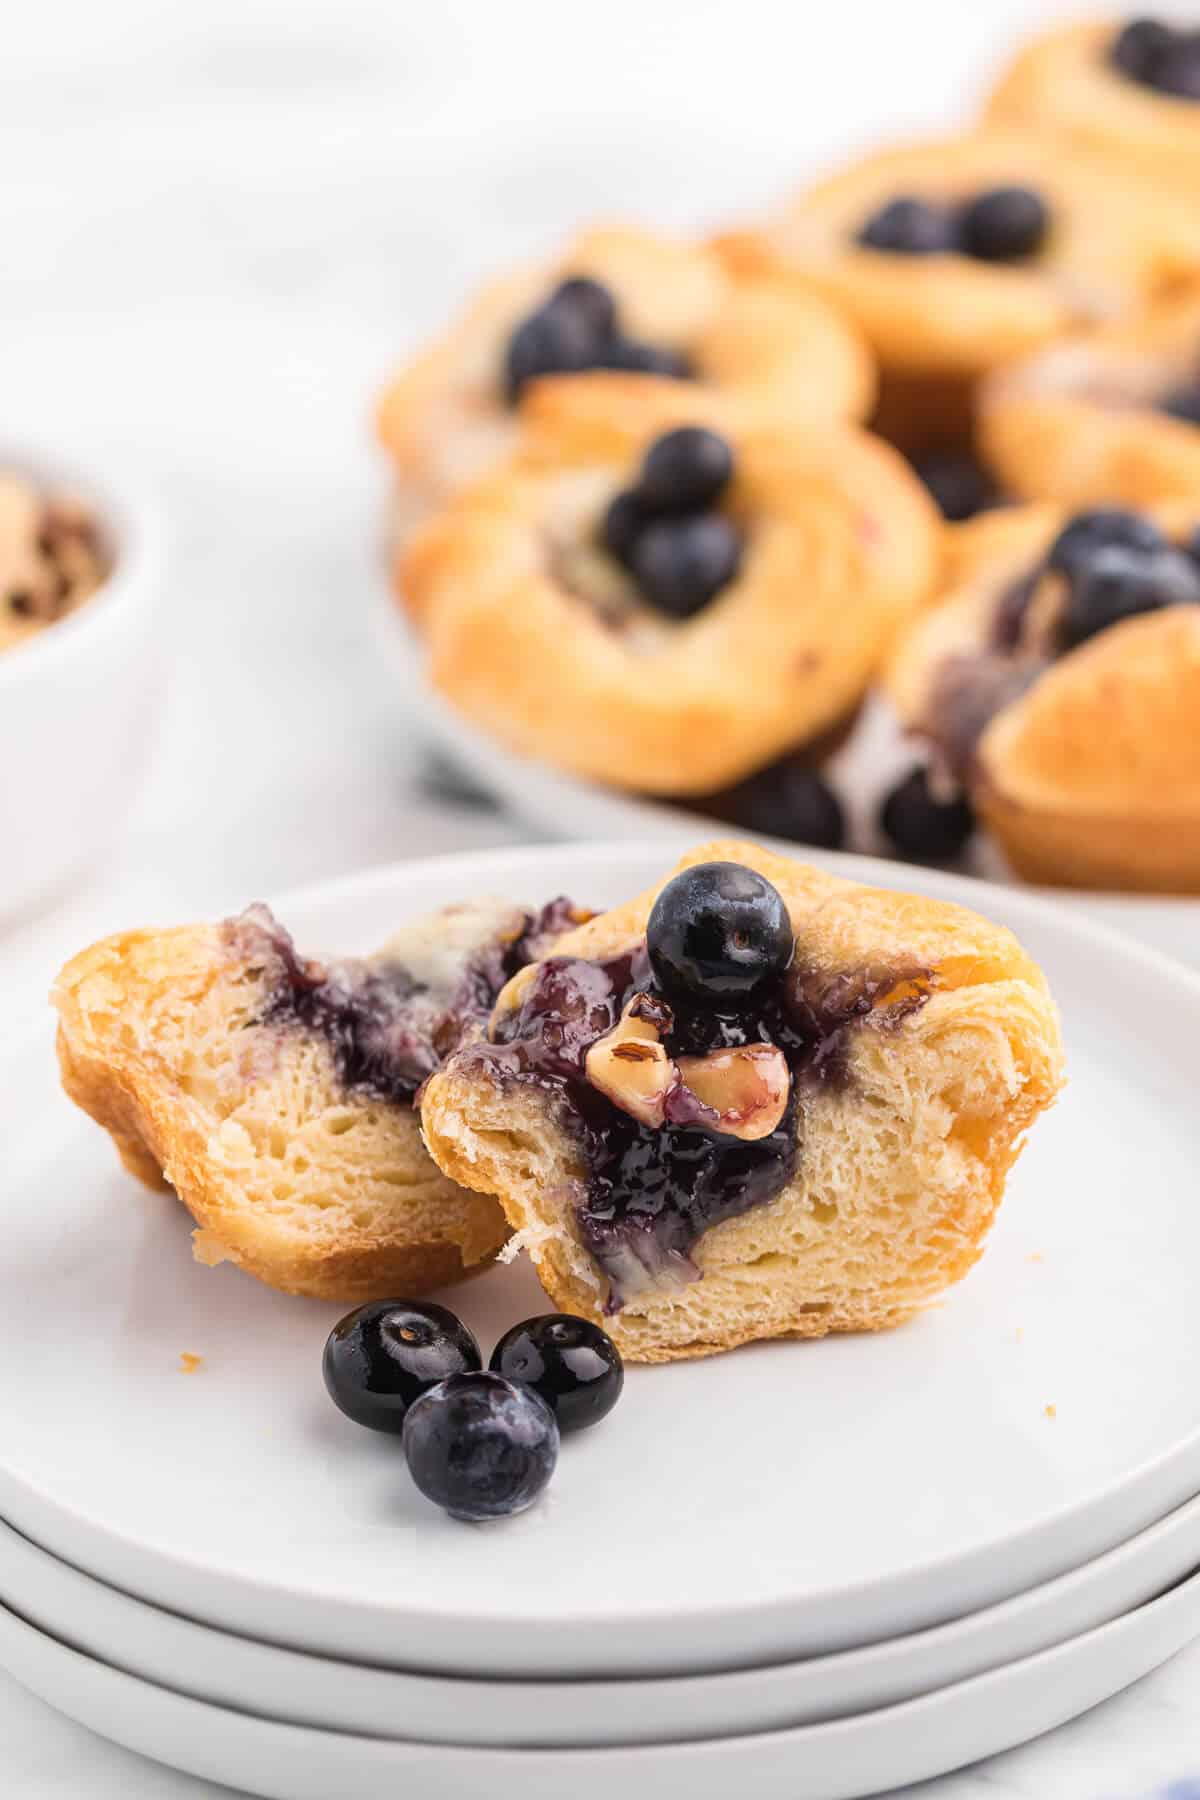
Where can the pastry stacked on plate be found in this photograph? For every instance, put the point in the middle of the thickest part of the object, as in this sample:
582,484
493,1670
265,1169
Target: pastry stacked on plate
667,513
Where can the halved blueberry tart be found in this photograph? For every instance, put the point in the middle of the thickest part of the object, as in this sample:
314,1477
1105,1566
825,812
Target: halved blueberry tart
276,1093
758,1101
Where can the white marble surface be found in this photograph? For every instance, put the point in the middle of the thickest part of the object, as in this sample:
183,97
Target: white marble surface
220,225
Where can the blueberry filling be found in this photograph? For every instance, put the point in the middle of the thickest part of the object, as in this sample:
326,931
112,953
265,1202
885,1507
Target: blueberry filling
1106,565
388,1028
1001,224
650,1192
663,530
788,799
1158,56
576,329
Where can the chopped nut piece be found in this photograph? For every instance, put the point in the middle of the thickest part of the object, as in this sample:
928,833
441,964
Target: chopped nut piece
631,1067
744,1090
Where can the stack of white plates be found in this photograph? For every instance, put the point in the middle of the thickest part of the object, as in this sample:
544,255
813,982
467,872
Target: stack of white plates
812,1570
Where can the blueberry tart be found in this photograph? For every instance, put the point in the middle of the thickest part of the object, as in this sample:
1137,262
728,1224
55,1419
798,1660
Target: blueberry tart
276,1094
1129,87
955,254
625,302
653,598
756,1102
1111,414
1057,686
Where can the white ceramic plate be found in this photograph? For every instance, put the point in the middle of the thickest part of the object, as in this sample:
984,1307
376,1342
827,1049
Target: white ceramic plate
786,1500
559,805
312,1690
839,1761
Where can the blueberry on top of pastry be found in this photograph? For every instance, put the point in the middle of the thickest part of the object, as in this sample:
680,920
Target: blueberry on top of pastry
758,1101
655,597
955,255
1059,682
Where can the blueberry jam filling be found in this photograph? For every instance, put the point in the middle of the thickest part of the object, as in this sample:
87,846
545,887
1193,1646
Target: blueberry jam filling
717,973
388,1022
1106,565
578,328
1000,224
665,530
1158,56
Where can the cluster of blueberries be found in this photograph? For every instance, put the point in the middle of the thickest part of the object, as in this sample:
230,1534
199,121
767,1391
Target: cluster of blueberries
576,329
482,1443
1003,224
1159,56
664,529
1118,564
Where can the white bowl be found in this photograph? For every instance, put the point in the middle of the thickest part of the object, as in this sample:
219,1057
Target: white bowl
77,701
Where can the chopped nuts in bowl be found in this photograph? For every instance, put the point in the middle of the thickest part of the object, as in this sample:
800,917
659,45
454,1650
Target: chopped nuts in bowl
79,668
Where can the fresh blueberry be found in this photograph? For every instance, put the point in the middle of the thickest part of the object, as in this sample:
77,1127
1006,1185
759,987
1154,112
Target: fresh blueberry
921,826
1177,70
788,800
1004,224
1182,402
1119,583
646,359
959,484
910,227
481,1446
1139,47
591,302
624,522
1102,526
680,564
570,1362
556,340
685,471
718,932
382,1357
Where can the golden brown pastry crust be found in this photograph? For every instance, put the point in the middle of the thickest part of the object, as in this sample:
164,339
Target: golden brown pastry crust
1063,84
842,543
862,1237
1113,245
1092,778
1078,422
313,1190
766,343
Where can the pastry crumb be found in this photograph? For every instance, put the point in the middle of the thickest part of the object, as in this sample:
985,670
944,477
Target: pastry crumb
189,1362
1051,1410
1019,1334
1035,1256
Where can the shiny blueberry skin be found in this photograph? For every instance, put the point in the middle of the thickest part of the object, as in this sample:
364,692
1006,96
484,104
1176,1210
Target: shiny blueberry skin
570,1362
1139,47
1097,529
960,485
1005,224
910,227
1182,403
921,826
552,341
624,522
718,933
1119,583
1177,70
481,1446
592,304
790,801
685,471
384,1356
682,564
